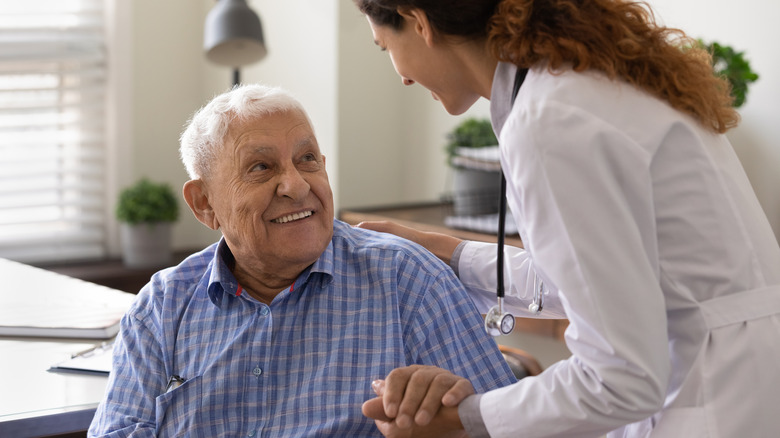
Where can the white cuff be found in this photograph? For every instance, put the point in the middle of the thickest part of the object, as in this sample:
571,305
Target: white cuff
471,417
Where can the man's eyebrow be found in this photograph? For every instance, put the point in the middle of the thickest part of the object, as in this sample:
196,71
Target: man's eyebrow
308,141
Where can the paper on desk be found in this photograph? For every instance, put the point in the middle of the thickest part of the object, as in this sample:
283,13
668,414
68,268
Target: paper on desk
93,361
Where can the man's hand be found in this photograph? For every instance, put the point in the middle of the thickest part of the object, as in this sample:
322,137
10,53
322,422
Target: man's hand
418,401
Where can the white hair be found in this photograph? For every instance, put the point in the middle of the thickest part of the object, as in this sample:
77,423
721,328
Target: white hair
205,133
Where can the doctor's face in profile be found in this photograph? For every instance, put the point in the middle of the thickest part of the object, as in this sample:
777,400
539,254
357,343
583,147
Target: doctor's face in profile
418,60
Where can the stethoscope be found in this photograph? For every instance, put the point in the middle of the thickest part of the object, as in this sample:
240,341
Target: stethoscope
498,322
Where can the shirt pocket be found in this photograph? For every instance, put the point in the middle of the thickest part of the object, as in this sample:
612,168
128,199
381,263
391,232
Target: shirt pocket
177,411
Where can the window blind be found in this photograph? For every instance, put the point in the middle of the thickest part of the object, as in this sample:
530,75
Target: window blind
52,129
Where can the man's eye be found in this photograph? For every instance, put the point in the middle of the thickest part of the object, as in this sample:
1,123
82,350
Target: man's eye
259,167
309,157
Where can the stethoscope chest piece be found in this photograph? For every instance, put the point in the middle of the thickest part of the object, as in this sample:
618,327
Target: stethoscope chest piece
498,322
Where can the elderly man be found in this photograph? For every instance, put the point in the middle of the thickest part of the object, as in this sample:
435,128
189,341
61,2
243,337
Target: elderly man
277,329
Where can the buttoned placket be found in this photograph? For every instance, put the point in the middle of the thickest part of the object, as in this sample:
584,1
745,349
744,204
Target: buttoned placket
257,371
257,357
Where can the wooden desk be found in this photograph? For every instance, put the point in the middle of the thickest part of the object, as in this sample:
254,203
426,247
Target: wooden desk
36,402
430,217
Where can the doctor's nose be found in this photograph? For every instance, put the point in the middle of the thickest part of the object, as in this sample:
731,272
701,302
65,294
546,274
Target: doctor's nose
407,81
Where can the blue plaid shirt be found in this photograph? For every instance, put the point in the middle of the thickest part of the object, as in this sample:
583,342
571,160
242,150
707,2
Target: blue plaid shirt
300,367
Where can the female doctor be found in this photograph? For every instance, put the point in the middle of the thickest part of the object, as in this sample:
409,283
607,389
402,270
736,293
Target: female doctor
634,211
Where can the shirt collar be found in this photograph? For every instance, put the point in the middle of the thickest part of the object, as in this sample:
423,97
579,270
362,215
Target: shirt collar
222,280
325,265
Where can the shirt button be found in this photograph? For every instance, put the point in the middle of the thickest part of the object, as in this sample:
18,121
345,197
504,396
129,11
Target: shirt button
264,311
257,371
251,433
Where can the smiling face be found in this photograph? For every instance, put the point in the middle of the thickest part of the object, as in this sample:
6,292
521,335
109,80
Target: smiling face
434,62
269,195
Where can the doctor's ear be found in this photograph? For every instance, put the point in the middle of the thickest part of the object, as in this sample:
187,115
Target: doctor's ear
196,196
417,18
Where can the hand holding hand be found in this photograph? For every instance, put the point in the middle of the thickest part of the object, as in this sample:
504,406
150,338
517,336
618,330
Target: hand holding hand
418,401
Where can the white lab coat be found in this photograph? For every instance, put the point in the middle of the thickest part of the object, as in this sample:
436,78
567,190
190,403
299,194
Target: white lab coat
650,240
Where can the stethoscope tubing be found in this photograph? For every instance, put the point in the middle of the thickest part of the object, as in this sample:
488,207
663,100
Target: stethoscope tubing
501,238
536,305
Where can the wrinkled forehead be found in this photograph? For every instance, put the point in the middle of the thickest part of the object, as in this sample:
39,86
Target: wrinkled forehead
291,124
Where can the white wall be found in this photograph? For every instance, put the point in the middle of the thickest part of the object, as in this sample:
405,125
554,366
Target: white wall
391,136
383,141
167,83
750,26
370,118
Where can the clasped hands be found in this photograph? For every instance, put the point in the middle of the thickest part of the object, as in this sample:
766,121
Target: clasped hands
418,401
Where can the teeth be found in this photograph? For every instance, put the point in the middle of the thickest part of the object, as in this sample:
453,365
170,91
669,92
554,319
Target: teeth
293,217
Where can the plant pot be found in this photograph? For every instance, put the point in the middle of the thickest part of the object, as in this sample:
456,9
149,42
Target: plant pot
475,192
146,245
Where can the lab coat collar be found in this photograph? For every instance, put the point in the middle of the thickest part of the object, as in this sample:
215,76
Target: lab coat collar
500,97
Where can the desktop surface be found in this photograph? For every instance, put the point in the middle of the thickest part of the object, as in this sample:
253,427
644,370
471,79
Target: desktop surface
36,402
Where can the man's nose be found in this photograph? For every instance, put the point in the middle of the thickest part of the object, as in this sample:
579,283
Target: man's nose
407,81
292,184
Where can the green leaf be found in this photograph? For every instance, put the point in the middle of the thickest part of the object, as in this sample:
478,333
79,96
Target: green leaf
472,132
147,202
734,67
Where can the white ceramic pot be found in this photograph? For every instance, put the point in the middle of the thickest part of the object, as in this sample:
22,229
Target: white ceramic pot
146,245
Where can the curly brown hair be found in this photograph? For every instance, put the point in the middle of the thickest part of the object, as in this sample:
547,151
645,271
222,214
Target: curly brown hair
621,39
617,37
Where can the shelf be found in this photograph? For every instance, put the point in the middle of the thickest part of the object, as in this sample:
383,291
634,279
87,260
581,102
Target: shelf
426,217
112,272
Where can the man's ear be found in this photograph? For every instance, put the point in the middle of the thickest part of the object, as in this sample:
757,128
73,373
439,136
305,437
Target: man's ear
195,195
417,18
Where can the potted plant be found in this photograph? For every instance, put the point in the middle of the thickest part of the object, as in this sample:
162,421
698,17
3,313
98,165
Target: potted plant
146,211
732,64
472,152
470,133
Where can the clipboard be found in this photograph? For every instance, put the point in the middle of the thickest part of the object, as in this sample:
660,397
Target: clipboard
95,361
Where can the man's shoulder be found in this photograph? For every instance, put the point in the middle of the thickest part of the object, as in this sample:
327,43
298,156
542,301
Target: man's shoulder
415,270
191,269
360,240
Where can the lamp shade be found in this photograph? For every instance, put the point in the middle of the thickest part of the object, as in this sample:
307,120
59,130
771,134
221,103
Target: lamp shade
233,35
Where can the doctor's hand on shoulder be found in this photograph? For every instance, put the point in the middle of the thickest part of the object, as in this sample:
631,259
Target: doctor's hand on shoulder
418,401
441,245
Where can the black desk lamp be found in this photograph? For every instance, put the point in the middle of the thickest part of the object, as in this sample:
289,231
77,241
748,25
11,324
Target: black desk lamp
233,36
